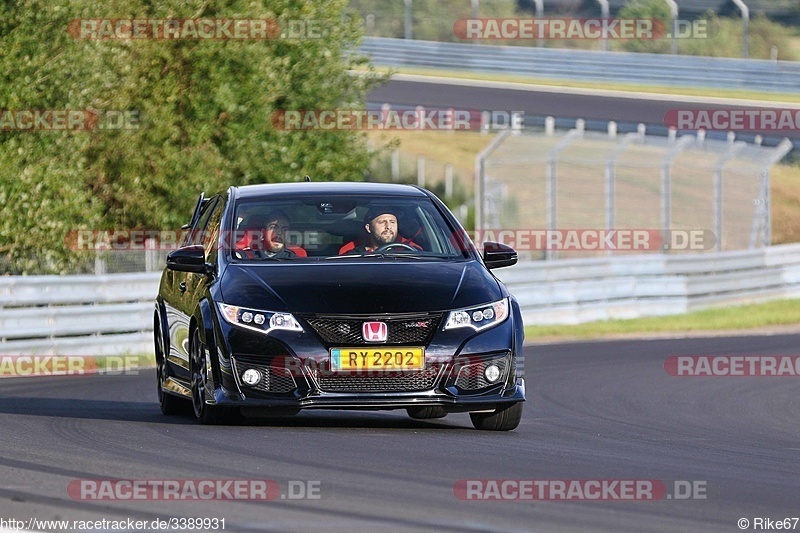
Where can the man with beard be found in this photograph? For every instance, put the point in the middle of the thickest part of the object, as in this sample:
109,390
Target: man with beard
381,226
270,237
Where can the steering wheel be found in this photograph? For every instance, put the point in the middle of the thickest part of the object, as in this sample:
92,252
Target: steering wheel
391,245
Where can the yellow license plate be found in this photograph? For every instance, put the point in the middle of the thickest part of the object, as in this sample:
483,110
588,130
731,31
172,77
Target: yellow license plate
374,358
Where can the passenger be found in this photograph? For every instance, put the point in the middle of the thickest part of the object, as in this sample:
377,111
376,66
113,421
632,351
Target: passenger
270,237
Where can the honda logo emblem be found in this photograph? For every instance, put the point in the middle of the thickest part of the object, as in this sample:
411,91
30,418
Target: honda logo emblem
375,331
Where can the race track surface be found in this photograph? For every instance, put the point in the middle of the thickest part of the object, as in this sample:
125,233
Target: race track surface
623,109
595,411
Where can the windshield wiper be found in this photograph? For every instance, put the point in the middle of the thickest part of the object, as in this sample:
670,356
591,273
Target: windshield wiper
390,256
365,254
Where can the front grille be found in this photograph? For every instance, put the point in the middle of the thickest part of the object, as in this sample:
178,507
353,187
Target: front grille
416,329
274,378
471,376
391,382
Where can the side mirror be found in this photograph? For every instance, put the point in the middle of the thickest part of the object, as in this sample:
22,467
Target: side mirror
188,259
497,255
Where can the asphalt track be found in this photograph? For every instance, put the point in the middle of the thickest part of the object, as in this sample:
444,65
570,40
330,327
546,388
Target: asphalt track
602,411
595,106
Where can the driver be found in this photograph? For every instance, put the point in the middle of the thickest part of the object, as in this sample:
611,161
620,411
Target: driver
381,226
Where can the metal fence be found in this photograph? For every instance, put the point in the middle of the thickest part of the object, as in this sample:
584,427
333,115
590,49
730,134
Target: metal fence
549,180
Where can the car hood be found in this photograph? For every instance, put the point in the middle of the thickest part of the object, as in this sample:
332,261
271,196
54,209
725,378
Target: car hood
359,288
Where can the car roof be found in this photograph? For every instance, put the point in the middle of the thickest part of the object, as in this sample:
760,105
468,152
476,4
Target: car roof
327,187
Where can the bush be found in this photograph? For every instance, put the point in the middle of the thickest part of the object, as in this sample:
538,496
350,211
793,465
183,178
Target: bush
205,109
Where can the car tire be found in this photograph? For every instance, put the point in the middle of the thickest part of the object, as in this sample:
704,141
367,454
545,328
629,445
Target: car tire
205,413
169,403
504,418
427,412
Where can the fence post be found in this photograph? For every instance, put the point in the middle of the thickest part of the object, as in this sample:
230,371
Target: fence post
763,214
150,255
551,184
539,14
672,134
385,110
549,126
396,164
99,264
612,129
717,182
407,26
675,11
448,181
475,13
666,181
610,180
745,27
480,176
604,10
420,171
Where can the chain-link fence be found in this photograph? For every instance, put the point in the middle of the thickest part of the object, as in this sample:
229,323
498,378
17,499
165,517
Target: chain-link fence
686,194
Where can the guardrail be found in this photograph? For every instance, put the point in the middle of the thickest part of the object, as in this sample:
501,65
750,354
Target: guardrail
587,65
108,315
573,291
77,315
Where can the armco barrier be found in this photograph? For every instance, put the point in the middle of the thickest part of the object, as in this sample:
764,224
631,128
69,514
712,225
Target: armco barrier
77,315
112,314
588,65
581,290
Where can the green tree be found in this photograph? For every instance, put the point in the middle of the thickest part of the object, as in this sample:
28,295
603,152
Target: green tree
205,110
648,9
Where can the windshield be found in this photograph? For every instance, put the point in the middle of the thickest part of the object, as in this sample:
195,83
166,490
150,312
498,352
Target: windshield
343,227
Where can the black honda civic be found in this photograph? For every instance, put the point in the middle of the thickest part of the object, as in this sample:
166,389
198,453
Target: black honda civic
308,295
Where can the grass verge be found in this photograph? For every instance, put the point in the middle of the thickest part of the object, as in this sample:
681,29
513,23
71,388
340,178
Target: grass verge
745,317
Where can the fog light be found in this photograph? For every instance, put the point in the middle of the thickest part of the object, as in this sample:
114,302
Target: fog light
251,377
491,373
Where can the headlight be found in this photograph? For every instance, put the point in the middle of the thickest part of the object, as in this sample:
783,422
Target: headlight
478,318
263,321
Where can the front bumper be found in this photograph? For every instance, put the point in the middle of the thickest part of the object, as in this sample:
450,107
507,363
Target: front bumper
381,401
454,376
457,385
